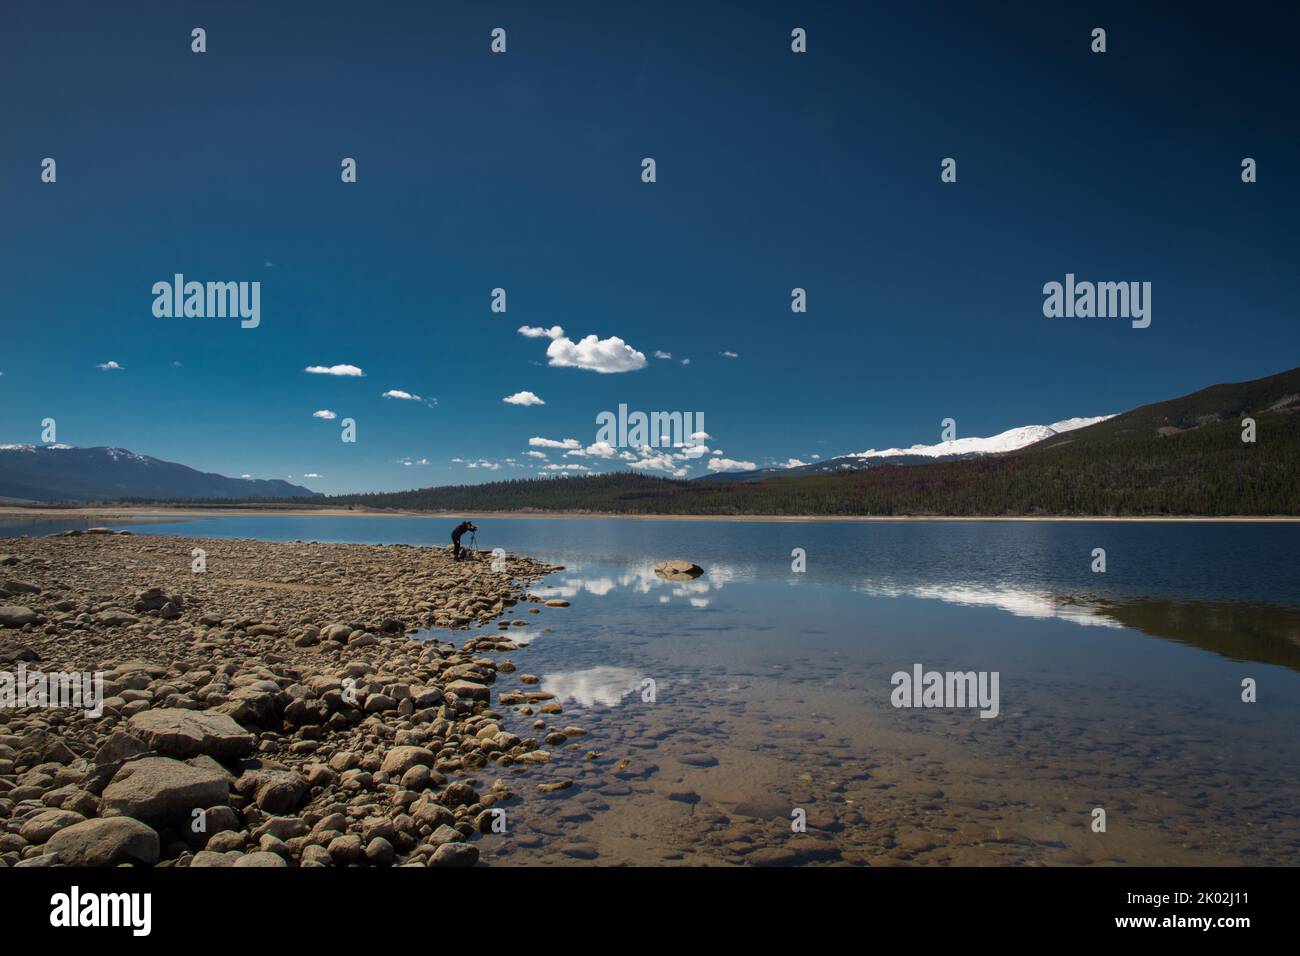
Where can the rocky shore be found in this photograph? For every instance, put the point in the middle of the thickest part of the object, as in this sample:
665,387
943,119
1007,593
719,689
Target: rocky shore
271,709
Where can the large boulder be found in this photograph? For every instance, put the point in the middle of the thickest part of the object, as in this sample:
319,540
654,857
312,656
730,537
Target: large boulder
107,841
162,790
188,733
13,615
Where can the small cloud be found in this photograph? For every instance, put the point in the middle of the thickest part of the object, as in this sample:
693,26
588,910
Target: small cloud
312,474
663,355
523,398
537,332
176,364
269,264
686,361
567,444
110,367
404,396
245,476
729,355
794,463
536,454
347,371
554,467
325,413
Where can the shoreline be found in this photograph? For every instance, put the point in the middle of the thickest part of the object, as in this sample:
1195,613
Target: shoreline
164,512
289,695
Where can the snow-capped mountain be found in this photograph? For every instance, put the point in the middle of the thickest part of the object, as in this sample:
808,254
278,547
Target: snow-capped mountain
1010,440
67,473
1013,439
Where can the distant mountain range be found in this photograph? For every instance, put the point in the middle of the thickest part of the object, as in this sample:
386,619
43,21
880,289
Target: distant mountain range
64,473
1184,456
959,448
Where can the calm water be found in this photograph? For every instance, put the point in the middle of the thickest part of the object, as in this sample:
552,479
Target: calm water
771,689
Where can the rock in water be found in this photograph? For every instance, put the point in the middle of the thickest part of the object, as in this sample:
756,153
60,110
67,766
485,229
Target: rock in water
678,570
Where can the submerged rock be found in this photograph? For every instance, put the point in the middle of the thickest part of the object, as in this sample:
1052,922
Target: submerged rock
678,570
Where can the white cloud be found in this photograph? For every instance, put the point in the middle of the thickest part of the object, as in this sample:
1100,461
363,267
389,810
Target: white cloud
729,355
110,366
727,464
523,398
174,365
700,436
794,463
601,449
536,454
554,467
660,462
537,332
686,361
245,476
349,371
567,443
404,396
481,463
312,474
325,413
663,355
595,355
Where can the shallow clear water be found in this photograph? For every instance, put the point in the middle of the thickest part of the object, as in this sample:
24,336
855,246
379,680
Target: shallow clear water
772,689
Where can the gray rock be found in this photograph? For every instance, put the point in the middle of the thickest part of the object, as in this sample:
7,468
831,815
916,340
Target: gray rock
106,841
401,759
11,615
454,854
274,790
163,790
119,746
188,733
42,826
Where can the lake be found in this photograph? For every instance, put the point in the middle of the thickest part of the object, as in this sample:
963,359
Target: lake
757,696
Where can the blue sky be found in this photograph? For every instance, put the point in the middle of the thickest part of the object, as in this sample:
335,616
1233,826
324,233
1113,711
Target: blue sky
523,171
